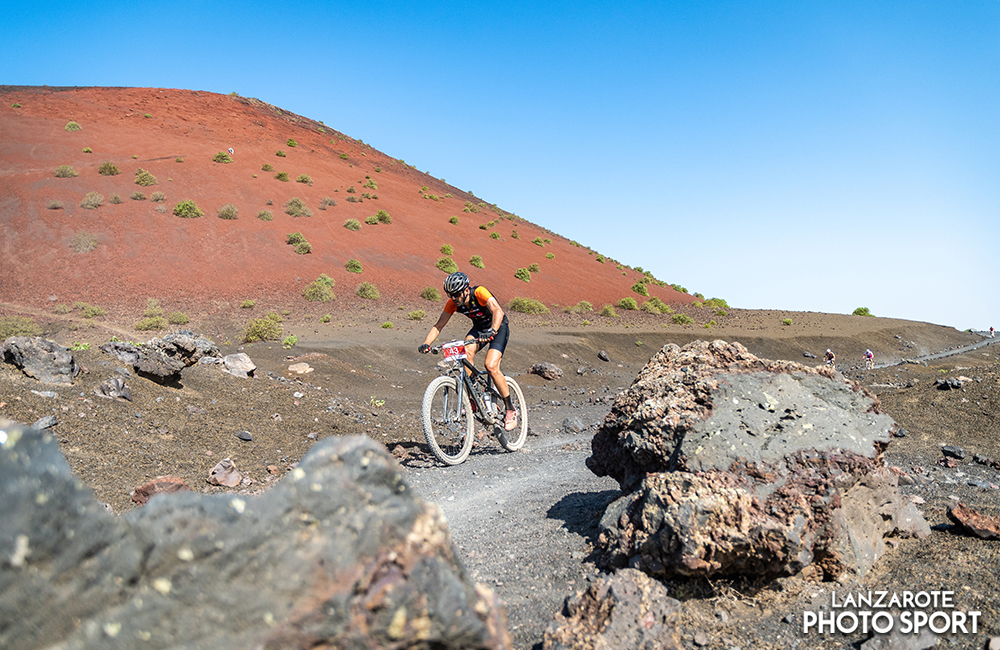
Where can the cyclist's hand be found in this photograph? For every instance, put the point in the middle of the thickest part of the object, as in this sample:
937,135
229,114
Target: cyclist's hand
487,335
424,348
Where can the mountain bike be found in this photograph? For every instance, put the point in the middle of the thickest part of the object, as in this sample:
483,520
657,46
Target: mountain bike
463,394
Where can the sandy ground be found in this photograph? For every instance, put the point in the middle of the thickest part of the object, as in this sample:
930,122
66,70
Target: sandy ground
525,522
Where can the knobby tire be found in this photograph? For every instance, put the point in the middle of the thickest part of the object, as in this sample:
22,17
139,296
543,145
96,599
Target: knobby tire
444,430
514,439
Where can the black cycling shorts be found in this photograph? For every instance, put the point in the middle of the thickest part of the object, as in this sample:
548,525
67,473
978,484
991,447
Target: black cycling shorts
499,341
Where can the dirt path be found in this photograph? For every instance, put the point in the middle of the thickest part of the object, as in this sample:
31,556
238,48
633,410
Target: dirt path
526,522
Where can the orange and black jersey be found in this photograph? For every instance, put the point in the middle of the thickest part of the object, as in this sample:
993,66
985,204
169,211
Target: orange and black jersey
482,317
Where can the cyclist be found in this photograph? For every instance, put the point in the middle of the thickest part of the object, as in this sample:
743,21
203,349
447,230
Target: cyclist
831,358
869,359
489,325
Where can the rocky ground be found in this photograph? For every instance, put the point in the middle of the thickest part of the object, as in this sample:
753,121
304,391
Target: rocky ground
526,522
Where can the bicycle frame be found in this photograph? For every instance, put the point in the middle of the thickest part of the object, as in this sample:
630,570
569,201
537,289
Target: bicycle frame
470,375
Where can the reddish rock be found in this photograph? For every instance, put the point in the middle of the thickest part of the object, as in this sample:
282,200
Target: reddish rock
159,485
974,523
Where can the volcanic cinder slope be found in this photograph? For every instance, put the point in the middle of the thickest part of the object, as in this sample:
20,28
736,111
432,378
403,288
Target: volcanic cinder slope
144,250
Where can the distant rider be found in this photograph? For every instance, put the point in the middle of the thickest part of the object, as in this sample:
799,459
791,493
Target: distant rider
831,358
489,324
869,359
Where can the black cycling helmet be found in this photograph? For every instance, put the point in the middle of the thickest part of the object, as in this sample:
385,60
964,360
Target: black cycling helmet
455,283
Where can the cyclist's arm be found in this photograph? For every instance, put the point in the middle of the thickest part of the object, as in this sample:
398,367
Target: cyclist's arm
438,326
497,311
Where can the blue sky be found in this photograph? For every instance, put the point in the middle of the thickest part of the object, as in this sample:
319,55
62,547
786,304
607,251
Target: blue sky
794,155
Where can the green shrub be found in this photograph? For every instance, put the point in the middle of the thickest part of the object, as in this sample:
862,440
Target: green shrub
63,309
352,224
115,199
247,304
514,235
534,268
537,241
294,238
325,319
151,323
108,168
343,156
152,308
661,306
262,329
292,143
350,190
228,211
144,178
581,307
862,311
786,321
447,249
147,116
372,220
649,308
367,290
188,210
178,159
609,311
267,167
222,157
65,171
477,262
296,207
549,256
682,319
600,258
138,196
177,318
627,304
353,266
327,201
453,220
447,265
282,176
303,248
72,126
523,274
158,197
18,326
528,306
92,201
483,226
494,235
89,311
319,290
640,289
431,293
15,105
387,325
416,314
265,215
303,178
383,217
290,341
55,205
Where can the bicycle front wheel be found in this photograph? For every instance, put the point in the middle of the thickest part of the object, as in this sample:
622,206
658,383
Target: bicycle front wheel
514,439
448,423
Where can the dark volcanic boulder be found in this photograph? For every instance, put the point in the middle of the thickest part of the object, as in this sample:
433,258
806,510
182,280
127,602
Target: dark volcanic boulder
48,362
162,360
624,610
734,464
339,554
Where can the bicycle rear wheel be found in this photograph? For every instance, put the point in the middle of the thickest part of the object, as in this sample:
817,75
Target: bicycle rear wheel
514,439
448,424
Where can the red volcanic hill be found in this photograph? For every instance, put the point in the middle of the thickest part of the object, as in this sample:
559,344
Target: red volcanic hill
143,250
